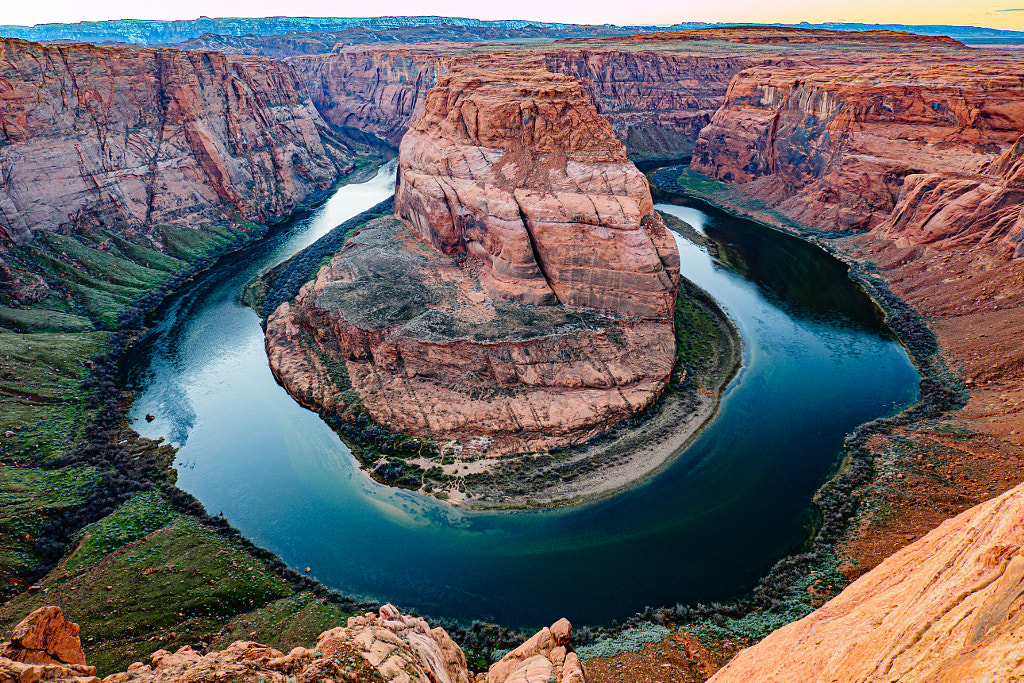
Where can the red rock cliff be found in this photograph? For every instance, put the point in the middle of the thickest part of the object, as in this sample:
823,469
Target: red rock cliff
656,101
947,608
830,140
377,90
112,136
517,169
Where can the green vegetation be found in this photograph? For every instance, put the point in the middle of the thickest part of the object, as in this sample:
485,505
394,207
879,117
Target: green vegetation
707,346
632,639
139,516
42,401
138,563
192,244
28,498
297,619
179,585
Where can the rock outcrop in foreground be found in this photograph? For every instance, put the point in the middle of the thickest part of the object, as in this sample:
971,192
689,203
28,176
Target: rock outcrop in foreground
947,608
44,646
388,646
526,301
131,138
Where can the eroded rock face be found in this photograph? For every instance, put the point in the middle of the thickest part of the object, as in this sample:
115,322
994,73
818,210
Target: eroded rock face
954,211
546,656
45,637
131,138
527,300
655,101
517,169
829,142
428,352
45,646
377,90
945,608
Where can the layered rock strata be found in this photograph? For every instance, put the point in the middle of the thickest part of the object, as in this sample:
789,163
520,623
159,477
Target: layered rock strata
527,300
951,211
945,608
655,101
373,89
830,142
130,138
656,90
384,646
520,171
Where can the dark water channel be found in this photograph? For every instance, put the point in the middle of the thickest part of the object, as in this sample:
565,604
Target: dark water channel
816,363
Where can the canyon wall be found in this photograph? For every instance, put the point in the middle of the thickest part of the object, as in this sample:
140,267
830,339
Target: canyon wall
948,607
527,300
655,101
830,140
950,210
375,90
132,138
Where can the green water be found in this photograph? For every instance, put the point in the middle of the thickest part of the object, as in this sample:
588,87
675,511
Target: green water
816,362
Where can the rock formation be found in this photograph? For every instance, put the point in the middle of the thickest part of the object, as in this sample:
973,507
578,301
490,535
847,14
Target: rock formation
950,210
544,657
655,101
388,646
383,90
656,90
541,311
829,141
45,646
45,637
373,89
518,170
945,608
133,138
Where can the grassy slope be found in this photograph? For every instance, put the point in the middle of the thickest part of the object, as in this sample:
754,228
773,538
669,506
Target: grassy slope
217,585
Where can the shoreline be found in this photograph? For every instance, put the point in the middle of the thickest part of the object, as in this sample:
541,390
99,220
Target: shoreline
637,453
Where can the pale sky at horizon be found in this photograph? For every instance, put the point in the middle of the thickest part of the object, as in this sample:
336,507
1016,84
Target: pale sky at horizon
1008,14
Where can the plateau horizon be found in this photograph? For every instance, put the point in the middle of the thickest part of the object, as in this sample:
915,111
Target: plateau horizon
995,15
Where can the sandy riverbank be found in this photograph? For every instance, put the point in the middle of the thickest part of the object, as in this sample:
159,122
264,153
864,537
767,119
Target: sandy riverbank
624,457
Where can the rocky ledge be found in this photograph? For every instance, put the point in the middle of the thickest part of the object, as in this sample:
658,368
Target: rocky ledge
523,301
945,608
387,646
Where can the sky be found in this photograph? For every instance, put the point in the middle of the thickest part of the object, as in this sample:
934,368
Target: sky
1008,14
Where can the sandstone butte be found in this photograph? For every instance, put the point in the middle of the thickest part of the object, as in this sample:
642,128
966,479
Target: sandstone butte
387,646
525,299
132,138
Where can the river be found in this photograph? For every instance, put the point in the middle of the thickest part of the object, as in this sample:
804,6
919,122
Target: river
817,361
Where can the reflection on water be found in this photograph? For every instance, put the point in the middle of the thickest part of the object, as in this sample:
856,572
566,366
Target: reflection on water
816,364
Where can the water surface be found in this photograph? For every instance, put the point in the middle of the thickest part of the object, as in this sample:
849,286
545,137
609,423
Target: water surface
816,362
